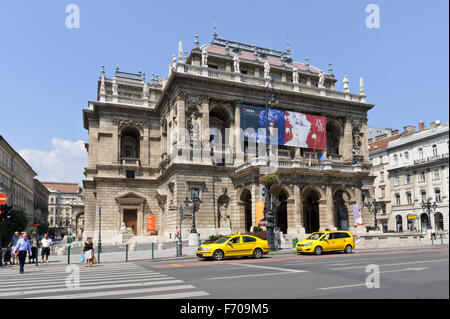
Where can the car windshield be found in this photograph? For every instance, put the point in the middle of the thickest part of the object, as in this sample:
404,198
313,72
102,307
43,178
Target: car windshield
315,236
222,240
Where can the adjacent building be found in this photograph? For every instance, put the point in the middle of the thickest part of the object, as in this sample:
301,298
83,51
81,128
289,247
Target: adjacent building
411,168
18,184
66,209
41,194
154,144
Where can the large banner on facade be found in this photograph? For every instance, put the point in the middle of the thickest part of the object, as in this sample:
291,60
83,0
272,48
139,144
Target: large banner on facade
357,215
293,128
259,212
151,221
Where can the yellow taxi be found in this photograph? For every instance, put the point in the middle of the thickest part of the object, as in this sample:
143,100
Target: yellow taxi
324,241
234,246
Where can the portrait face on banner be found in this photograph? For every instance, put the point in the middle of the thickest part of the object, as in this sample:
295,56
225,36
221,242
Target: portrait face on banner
286,127
357,215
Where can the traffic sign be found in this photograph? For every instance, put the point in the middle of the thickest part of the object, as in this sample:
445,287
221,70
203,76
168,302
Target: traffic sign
3,198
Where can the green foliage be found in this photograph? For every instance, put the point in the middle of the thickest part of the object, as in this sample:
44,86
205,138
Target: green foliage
32,229
369,228
269,179
256,229
212,239
261,234
42,229
17,222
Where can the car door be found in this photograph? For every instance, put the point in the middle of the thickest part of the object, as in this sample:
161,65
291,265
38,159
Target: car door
326,242
248,244
339,241
234,247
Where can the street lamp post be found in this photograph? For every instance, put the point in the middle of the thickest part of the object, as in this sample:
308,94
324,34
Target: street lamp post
376,206
429,207
195,201
268,207
99,231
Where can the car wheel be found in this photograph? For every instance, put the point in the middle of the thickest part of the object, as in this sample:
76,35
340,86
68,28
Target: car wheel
257,253
348,249
218,255
318,250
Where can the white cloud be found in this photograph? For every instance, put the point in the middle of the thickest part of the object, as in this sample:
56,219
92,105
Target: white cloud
64,163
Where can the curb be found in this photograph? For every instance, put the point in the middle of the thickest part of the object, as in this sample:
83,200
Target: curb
289,251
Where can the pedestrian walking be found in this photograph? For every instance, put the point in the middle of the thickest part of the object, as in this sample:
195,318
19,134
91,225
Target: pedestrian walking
46,246
34,241
88,251
13,243
278,238
20,249
275,239
433,233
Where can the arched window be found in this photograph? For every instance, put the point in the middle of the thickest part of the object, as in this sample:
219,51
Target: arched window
435,153
438,222
129,140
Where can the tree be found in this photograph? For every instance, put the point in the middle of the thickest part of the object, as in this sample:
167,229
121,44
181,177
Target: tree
17,222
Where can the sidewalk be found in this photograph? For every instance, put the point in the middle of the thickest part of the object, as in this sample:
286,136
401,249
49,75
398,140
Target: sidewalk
119,253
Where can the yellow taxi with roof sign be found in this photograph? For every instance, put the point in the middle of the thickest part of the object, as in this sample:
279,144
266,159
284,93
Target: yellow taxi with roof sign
234,246
325,241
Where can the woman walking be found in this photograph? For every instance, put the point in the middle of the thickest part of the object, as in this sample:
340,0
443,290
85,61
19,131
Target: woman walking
88,251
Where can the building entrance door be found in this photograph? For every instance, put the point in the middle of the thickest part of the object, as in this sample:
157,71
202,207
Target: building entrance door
424,223
130,219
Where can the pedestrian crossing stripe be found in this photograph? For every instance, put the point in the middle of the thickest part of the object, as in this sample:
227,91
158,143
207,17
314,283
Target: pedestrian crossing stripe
125,280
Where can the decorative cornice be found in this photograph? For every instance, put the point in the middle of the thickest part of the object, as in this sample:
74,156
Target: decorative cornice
141,124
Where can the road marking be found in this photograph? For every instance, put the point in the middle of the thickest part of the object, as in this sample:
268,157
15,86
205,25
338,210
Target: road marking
174,296
339,287
61,283
397,264
272,268
271,259
406,269
83,289
82,278
386,271
256,275
117,292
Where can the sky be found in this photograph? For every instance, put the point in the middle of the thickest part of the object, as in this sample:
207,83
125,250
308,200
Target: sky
49,72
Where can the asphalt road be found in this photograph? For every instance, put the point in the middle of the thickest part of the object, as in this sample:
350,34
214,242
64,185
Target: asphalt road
403,273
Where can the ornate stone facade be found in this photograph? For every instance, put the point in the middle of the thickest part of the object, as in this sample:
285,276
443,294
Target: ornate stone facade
175,149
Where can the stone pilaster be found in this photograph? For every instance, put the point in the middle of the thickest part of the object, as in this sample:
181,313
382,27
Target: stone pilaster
237,135
347,143
180,104
365,144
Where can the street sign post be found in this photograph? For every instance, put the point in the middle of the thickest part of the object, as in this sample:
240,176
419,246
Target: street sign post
3,198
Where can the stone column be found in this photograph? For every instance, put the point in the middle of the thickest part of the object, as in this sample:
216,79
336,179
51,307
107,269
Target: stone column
347,143
145,145
365,144
326,210
323,215
291,215
237,135
181,119
180,104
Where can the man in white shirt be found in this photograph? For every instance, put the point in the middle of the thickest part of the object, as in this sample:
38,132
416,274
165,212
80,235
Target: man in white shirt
46,245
